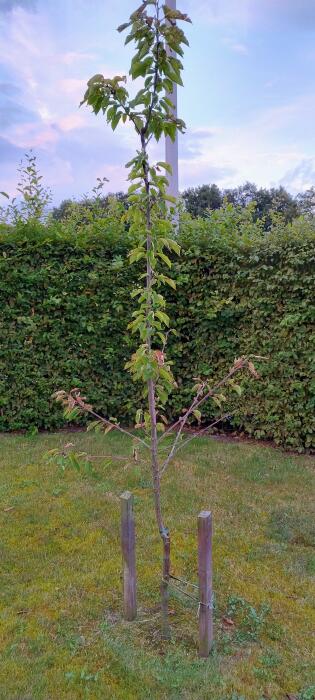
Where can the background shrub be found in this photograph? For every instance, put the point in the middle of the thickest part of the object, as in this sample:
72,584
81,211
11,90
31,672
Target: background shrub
65,306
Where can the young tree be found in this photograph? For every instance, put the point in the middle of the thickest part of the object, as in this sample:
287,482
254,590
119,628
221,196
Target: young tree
154,29
34,197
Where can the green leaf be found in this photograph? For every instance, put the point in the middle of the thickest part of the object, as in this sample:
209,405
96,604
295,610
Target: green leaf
170,129
166,166
94,425
170,198
167,280
133,188
171,245
74,462
139,415
136,255
122,27
115,120
164,318
165,259
140,68
136,293
166,375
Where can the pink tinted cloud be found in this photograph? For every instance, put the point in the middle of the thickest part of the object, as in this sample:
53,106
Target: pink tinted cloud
71,122
70,58
34,135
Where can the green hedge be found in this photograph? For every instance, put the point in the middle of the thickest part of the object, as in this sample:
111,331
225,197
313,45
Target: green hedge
65,306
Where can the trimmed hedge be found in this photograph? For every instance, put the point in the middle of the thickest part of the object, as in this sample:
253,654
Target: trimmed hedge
65,306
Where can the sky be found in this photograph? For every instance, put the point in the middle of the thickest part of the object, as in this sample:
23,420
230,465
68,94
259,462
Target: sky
248,98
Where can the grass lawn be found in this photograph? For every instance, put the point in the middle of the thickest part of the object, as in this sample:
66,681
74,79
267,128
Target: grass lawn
61,632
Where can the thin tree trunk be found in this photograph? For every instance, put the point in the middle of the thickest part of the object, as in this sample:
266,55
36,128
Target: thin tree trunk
164,532
165,536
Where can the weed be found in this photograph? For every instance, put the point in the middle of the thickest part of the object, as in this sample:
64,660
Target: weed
287,525
82,676
308,693
248,621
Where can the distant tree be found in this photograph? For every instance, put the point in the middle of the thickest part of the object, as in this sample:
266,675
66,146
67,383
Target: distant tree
306,203
199,199
62,212
85,204
282,202
268,201
241,196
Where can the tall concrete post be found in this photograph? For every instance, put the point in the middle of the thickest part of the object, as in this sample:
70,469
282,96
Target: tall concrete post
171,149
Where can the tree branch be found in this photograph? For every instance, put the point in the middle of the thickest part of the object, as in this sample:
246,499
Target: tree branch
77,400
197,434
241,363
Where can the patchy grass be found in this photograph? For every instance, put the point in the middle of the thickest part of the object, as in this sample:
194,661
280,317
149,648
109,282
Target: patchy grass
61,632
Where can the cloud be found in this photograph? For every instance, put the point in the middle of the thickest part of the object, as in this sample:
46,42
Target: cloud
70,58
290,114
300,14
193,175
9,152
73,147
267,148
9,5
239,48
192,144
45,75
301,177
71,122
73,88
34,135
13,113
236,46
197,162
94,147
9,89
226,12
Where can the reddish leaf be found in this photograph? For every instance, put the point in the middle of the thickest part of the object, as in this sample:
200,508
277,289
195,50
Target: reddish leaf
228,622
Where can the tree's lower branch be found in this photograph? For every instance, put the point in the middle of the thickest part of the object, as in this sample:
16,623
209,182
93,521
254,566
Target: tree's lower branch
107,422
175,449
198,401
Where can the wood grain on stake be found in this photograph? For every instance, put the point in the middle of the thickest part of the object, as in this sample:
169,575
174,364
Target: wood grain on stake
128,546
205,583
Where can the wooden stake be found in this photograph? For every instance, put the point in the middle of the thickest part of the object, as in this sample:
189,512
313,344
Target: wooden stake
166,630
128,542
205,583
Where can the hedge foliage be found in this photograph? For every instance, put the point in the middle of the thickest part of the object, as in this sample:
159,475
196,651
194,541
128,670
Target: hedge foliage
65,306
